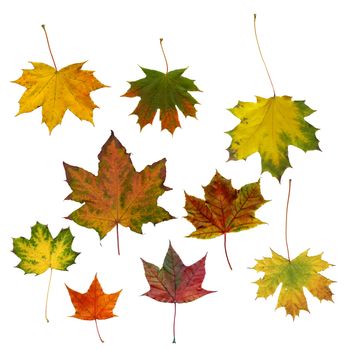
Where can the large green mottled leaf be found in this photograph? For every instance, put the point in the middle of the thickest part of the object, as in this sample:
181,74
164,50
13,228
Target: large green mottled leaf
42,251
269,126
163,91
118,194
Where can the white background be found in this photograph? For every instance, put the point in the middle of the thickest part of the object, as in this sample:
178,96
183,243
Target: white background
303,44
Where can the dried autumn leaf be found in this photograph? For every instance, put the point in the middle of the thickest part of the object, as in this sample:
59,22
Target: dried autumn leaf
58,90
175,282
269,126
118,194
224,210
303,271
163,91
42,252
94,304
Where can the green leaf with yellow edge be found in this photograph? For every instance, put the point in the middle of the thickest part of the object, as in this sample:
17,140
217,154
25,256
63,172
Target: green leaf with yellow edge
42,252
118,194
269,126
294,275
163,91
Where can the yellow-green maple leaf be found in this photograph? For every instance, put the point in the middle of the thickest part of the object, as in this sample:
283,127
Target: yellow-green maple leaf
269,126
42,251
58,90
303,271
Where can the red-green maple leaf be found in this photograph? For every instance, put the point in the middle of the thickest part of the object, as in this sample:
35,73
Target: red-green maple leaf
224,210
118,194
175,282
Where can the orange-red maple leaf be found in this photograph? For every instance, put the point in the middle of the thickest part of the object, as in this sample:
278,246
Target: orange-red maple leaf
94,304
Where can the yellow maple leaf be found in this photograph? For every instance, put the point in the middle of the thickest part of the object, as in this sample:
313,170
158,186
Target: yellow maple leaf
269,126
303,271
58,90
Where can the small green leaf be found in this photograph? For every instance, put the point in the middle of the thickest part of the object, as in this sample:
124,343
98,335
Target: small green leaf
163,91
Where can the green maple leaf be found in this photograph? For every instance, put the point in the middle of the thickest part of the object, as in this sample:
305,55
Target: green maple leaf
163,91
42,252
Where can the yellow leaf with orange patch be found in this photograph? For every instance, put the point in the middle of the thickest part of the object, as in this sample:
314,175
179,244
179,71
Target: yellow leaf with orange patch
57,91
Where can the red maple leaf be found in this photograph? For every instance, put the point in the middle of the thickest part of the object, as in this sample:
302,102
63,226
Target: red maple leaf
175,282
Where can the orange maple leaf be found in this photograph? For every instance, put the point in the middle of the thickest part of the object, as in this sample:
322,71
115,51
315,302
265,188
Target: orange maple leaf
94,304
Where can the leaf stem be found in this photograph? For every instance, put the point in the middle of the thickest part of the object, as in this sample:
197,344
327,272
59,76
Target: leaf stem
165,57
47,296
174,324
51,54
118,239
286,221
99,336
262,57
226,251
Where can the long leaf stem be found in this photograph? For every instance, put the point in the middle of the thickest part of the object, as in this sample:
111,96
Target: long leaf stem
226,251
262,57
174,324
47,296
118,239
50,50
286,221
99,335
165,57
